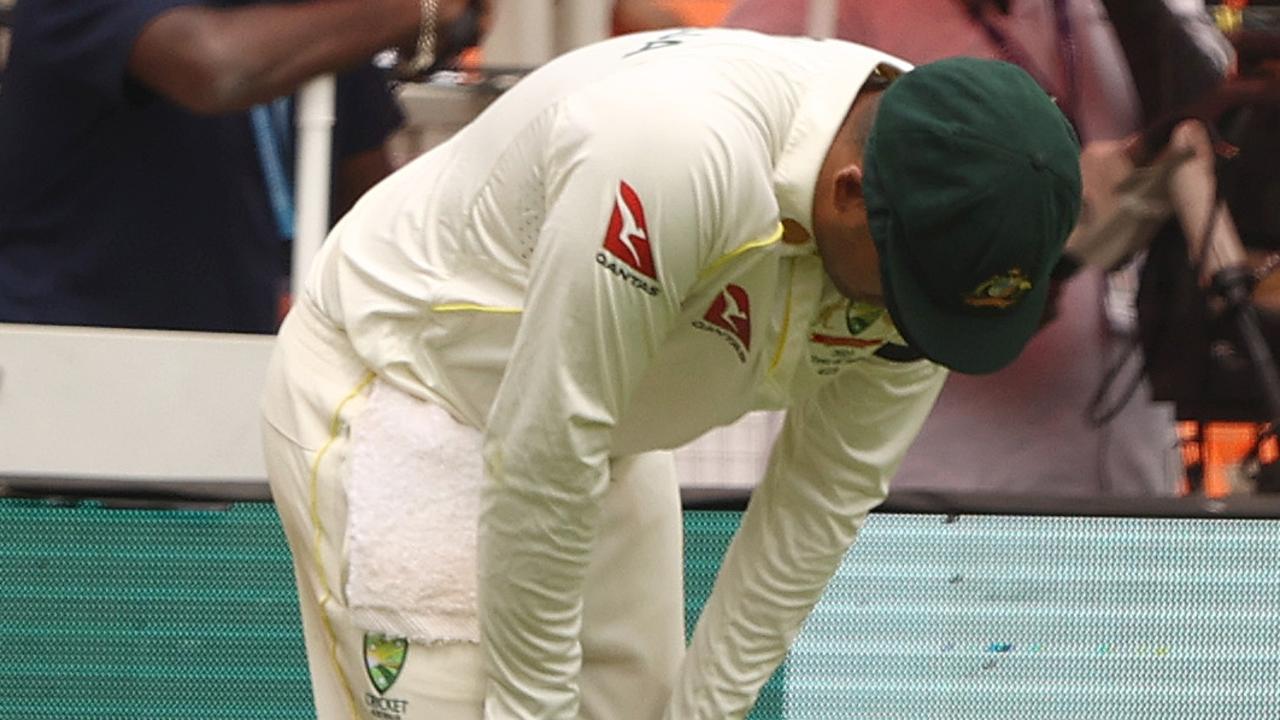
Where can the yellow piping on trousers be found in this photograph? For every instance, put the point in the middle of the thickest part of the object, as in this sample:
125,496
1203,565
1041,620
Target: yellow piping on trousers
317,555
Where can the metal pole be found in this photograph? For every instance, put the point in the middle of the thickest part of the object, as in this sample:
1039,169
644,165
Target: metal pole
315,141
523,34
581,22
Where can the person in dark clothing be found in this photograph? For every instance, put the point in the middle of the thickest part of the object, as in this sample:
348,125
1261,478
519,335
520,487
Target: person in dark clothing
145,152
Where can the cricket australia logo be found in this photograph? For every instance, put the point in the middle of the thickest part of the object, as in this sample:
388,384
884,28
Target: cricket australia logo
1000,291
730,317
844,332
383,660
626,252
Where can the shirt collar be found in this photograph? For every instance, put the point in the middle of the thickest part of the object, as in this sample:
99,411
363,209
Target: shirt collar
824,103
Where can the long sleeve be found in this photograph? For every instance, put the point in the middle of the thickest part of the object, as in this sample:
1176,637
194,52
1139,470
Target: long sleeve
633,219
830,466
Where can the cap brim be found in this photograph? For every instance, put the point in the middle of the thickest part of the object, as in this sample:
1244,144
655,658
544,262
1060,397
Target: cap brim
965,342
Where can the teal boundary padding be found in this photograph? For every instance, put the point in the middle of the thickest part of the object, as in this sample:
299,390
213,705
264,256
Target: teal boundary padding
706,538
126,613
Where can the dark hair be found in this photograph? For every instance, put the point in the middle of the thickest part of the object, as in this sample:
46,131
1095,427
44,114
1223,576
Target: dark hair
880,78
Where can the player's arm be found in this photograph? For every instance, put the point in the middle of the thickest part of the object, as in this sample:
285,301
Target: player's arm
621,245
830,466
220,59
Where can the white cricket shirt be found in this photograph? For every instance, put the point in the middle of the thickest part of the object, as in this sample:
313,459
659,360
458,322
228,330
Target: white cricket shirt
595,267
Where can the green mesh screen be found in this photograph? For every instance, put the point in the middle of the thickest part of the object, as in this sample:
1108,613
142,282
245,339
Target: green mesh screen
108,613
706,538
148,614
1032,618
184,614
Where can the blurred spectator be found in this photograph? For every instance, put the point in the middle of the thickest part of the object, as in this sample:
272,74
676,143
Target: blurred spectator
146,153
1027,428
6,10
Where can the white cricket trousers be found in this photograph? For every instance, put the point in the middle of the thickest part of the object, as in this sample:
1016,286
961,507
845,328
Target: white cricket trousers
633,623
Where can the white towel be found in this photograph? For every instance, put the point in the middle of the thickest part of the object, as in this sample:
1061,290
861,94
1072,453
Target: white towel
413,489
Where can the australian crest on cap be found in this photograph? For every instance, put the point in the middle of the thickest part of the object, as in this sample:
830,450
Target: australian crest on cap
1000,291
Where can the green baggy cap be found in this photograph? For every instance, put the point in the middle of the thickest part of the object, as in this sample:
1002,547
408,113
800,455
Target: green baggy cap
972,183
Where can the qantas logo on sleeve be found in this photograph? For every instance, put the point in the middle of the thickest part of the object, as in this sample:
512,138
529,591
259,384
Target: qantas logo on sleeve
730,317
627,241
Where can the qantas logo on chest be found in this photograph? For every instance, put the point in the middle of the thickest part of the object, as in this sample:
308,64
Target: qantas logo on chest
730,317
626,252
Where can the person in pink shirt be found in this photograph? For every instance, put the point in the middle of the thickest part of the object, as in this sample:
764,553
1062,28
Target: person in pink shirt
1027,428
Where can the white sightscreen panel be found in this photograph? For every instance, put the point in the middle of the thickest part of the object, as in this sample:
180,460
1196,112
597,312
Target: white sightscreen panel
732,456
131,404
139,406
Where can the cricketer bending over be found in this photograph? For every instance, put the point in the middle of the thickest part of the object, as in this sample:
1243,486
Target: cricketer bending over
644,239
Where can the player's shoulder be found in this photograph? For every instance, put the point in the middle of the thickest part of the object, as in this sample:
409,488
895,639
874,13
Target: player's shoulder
698,126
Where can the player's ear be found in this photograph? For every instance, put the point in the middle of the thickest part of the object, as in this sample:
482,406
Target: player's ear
848,187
